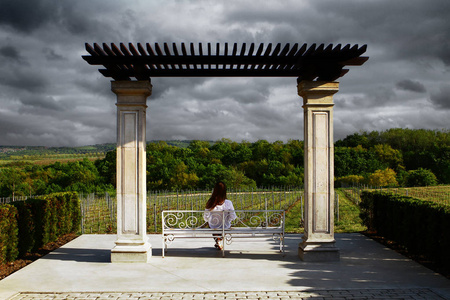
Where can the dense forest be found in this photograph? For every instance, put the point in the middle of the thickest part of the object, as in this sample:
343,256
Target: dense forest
395,157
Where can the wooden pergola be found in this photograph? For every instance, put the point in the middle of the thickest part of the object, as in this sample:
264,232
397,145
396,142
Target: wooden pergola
316,68
324,63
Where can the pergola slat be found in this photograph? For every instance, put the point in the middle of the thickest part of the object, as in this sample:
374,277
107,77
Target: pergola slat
218,53
115,49
91,50
183,49
141,50
225,51
324,62
265,56
200,51
99,50
209,53
124,50
242,54
275,54
290,54
133,50
150,50
118,53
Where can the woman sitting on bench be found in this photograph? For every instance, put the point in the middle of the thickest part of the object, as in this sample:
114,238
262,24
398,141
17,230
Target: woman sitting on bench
214,212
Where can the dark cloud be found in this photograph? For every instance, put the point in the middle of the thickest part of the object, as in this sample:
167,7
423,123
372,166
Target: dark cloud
242,90
24,81
413,31
51,54
26,15
411,85
374,97
441,98
74,17
34,102
50,96
10,52
417,30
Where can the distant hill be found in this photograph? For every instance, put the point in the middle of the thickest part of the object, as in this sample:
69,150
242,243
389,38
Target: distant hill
8,151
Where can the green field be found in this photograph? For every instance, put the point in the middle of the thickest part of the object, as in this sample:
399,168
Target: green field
439,193
99,212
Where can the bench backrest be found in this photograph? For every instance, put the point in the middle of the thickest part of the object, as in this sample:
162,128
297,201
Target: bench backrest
194,219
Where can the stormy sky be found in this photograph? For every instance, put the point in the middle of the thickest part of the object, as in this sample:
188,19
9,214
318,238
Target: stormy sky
50,96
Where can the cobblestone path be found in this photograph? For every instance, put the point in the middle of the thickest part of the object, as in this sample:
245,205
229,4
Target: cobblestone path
418,293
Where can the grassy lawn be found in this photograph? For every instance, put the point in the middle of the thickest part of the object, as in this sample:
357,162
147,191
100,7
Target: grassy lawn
349,220
293,218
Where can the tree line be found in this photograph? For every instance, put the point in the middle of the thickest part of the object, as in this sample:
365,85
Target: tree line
393,157
15,152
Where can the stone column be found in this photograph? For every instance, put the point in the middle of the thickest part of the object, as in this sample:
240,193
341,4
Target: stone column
132,242
318,243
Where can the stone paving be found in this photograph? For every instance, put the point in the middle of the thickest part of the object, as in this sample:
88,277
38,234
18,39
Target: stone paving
81,270
417,293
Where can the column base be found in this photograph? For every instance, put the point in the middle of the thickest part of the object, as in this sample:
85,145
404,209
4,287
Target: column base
318,252
131,252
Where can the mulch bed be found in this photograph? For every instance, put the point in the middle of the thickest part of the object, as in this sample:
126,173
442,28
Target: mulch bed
403,251
11,267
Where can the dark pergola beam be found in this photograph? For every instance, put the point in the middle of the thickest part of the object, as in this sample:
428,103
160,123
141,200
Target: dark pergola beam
321,62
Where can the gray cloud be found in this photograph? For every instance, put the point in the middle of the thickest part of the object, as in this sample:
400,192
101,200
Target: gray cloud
50,96
441,98
33,102
10,52
25,16
412,86
51,54
22,80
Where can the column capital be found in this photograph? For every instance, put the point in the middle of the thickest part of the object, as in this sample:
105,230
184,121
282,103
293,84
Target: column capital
317,92
127,87
131,93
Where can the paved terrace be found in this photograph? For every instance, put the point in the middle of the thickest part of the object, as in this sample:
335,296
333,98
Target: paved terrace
252,269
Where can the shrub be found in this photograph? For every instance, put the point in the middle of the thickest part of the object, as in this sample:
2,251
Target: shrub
26,226
420,226
8,233
46,218
384,177
421,177
348,180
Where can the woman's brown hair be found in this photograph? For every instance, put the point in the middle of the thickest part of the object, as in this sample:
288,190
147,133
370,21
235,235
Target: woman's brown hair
218,196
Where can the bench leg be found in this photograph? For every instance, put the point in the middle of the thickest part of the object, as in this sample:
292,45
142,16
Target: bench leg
282,243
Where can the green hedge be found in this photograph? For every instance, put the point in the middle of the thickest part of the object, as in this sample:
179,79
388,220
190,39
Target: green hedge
44,219
420,226
8,233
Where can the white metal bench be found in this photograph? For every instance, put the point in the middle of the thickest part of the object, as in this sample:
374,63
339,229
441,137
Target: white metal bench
248,224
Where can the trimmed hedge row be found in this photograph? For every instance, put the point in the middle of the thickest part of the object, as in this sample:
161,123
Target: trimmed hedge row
420,226
8,233
43,220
